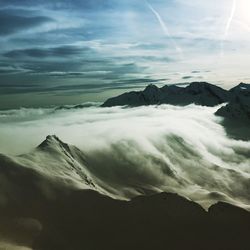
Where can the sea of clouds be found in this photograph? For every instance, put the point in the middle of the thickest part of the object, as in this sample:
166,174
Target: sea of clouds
142,150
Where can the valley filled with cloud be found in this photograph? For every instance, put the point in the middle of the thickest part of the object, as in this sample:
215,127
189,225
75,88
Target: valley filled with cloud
133,151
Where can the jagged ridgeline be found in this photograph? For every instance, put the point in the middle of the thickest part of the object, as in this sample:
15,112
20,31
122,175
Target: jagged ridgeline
200,93
236,113
51,200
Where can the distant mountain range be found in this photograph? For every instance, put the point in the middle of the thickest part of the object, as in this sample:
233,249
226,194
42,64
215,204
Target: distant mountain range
200,93
236,112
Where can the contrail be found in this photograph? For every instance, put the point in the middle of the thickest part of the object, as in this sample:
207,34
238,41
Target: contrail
159,18
229,22
230,17
163,26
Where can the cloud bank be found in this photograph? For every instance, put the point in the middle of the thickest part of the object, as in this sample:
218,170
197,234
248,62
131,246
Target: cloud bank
142,150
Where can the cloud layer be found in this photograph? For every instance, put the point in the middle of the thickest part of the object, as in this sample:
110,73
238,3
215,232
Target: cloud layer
143,150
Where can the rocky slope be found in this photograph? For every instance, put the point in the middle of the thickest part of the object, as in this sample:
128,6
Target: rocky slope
200,93
49,199
239,105
236,113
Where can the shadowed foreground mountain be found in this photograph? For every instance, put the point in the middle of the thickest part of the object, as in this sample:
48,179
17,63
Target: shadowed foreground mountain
88,220
46,210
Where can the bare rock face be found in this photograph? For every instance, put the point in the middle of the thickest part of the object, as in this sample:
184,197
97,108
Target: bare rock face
242,89
239,106
200,93
238,109
236,113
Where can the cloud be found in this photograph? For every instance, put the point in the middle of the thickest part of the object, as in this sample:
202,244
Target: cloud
60,4
65,69
228,24
13,22
187,77
61,51
46,42
164,27
162,148
72,89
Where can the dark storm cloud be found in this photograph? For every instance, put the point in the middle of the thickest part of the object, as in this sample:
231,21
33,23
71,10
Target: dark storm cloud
12,22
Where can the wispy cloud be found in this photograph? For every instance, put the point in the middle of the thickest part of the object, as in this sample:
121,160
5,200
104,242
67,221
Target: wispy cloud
228,25
164,27
160,38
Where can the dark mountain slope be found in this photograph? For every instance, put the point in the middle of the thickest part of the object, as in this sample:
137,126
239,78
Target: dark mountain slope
43,213
200,93
236,113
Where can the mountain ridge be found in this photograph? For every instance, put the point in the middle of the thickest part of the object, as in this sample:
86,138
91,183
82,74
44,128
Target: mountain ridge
200,93
66,164
39,211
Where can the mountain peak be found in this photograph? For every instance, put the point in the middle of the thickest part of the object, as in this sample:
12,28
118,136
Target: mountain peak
199,84
242,84
52,141
52,137
242,87
151,87
200,93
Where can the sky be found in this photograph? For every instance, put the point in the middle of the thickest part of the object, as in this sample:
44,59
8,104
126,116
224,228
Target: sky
67,52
